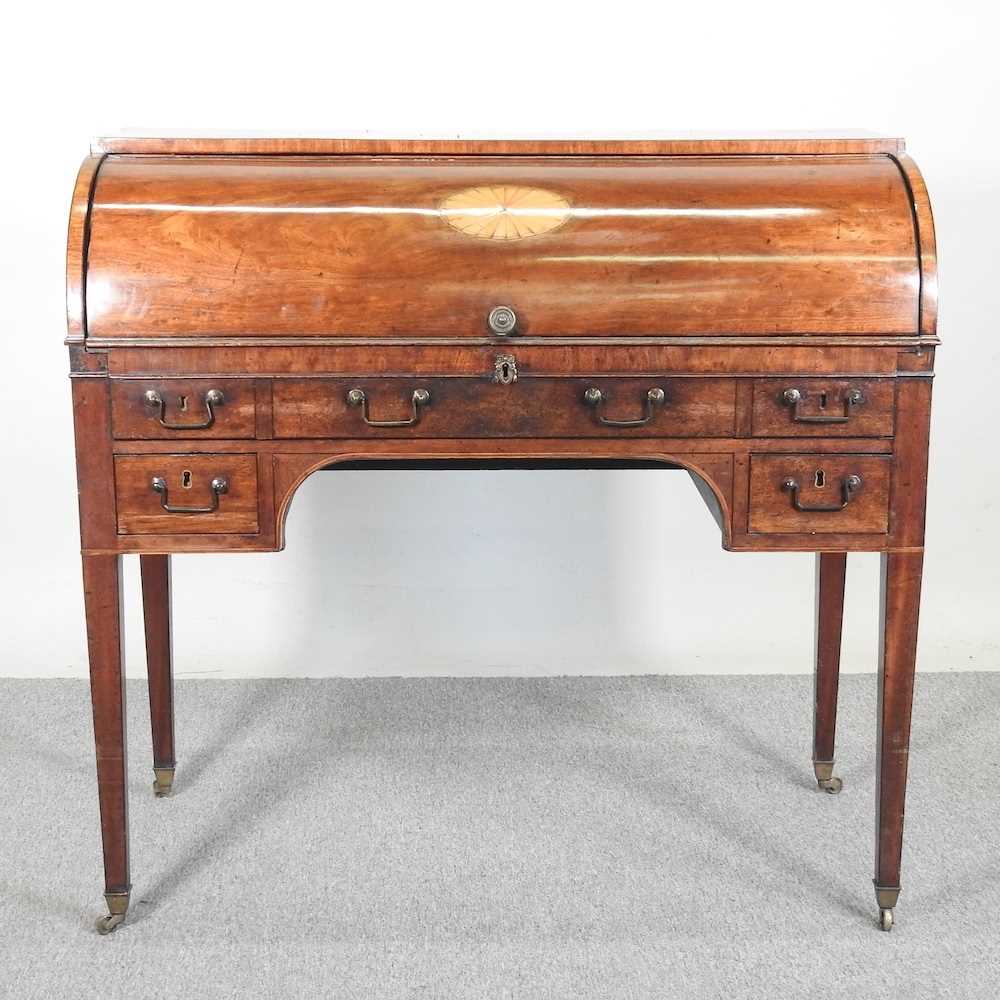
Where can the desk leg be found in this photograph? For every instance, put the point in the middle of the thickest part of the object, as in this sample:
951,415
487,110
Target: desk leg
831,569
103,602
155,573
901,576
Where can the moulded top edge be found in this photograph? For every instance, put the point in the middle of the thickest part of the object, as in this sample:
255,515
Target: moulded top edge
247,145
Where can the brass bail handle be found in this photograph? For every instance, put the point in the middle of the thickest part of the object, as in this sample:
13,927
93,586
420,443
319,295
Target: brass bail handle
792,398
594,398
219,485
420,397
213,398
849,485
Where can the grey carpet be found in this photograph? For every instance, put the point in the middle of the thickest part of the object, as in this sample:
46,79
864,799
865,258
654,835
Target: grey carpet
568,838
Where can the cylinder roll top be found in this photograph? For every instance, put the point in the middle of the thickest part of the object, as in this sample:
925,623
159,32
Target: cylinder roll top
428,247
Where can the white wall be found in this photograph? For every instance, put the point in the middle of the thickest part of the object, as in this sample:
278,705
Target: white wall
488,573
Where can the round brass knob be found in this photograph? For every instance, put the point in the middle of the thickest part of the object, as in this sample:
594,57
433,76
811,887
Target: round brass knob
502,320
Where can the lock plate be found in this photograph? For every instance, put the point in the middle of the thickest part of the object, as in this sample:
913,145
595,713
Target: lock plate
505,369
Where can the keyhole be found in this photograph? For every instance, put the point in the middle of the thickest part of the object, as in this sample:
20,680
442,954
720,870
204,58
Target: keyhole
822,400
506,370
186,479
182,402
820,479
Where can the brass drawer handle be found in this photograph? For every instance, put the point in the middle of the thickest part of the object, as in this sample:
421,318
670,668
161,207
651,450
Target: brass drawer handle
849,485
420,397
502,320
219,486
213,398
792,398
593,397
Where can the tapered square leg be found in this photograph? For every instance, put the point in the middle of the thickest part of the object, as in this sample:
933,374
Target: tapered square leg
831,569
103,604
901,578
155,573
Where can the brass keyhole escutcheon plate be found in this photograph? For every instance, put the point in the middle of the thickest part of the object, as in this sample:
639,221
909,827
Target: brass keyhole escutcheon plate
504,212
505,366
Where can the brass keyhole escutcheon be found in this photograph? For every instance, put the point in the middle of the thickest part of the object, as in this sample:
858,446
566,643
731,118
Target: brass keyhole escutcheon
186,479
505,368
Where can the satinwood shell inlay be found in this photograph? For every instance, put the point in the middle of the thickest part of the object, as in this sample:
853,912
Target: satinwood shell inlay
505,212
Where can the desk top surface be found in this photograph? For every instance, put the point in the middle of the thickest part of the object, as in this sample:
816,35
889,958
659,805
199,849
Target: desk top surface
844,141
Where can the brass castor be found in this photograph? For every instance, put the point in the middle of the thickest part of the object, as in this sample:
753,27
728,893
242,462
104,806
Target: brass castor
825,778
164,783
886,897
105,925
117,908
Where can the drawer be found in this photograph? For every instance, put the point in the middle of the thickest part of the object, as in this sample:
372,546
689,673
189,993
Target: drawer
819,493
823,407
154,409
186,494
528,407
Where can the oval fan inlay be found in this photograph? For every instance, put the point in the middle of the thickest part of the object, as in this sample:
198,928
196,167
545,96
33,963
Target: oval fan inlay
505,212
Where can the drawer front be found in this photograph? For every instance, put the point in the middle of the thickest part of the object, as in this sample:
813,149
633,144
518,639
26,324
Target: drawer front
819,493
154,409
186,494
823,407
528,407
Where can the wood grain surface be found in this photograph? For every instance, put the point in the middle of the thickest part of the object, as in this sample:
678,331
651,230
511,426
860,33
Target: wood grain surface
361,246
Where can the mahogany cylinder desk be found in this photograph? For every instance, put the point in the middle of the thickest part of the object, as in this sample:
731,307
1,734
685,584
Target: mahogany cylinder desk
246,312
